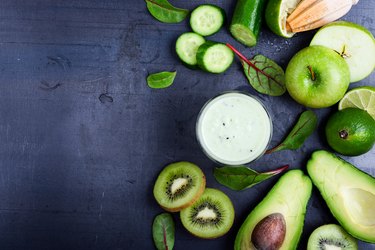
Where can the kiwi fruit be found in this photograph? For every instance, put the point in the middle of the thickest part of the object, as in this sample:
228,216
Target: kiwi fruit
331,236
211,216
179,185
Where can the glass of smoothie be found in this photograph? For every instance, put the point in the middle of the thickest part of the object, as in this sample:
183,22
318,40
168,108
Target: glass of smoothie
234,128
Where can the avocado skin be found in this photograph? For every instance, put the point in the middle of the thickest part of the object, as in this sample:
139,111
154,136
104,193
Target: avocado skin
279,200
335,178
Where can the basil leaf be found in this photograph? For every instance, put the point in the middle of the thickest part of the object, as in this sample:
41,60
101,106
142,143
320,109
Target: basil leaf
163,231
241,177
161,80
163,11
304,127
266,76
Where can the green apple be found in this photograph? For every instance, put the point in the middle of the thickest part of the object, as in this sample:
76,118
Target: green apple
317,77
353,42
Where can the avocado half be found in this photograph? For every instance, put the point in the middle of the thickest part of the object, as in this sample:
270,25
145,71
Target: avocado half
287,198
348,192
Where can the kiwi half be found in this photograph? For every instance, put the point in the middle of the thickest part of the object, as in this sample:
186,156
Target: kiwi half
179,185
331,236
211,216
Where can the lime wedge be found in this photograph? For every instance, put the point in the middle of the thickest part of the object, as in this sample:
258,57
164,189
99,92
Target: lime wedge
277,12
362,98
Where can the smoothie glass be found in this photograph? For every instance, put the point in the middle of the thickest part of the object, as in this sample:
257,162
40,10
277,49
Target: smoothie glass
234,128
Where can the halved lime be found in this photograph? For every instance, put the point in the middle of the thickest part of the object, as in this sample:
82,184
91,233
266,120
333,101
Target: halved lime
362,98
277,12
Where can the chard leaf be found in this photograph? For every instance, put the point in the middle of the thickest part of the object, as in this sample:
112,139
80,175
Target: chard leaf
163,11
266,76
163,231
161,80
241,177
304,127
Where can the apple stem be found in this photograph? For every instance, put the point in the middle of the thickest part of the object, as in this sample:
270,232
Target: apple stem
343,53
312,73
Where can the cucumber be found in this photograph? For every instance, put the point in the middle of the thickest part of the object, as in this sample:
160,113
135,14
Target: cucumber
246,21
214,57
186,47
207,19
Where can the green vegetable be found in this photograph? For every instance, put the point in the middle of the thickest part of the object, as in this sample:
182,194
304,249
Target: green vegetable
163,231
163,11
283,209
263,74
304,127
187,46
247,20
214,57
348,191
207,19
242,177
161,80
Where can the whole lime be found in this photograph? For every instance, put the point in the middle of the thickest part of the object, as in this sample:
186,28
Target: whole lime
351,131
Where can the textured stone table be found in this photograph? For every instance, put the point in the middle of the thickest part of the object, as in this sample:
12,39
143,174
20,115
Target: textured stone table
83,138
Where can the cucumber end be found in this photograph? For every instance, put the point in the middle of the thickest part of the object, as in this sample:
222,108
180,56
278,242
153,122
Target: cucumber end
243,34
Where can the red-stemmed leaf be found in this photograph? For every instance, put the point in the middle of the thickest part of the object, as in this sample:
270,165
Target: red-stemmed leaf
241,177
163,231
266,76
304,127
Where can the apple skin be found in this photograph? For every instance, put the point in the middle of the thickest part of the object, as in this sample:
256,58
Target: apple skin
358,44
331,73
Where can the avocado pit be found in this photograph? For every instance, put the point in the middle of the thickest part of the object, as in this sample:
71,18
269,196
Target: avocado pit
269,233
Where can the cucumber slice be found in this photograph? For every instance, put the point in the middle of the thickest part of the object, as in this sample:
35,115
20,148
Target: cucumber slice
246,21
207,19
214,57
186,47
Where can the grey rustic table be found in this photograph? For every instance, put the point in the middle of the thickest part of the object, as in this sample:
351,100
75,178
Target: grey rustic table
83,138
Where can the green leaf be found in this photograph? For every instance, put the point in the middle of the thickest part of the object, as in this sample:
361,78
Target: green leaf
163,11
304,127
266,76
161,80
163,231
241,177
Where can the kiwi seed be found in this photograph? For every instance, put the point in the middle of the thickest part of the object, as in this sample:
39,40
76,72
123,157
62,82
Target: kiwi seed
331,236
179,185
209,205
211,216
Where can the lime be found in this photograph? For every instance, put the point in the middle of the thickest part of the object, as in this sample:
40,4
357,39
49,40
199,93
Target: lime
277,12
362,98
351,131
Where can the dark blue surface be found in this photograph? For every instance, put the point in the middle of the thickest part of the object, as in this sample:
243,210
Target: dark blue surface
84,138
